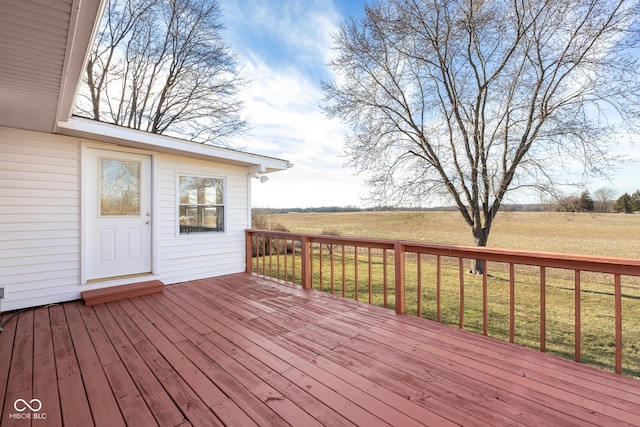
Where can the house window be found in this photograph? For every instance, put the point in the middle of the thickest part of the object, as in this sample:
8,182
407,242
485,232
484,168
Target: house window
201,205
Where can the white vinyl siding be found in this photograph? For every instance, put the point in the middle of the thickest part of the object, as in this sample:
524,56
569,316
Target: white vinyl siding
39,218
199,255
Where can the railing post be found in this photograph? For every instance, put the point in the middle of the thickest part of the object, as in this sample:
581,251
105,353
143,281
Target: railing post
398,250
618,316
248,251
305,258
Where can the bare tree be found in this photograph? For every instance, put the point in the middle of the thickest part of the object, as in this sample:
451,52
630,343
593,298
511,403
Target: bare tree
605,198
471,99
162,66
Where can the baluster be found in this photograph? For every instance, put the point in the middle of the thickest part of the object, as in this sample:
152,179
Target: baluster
485,298
419,308
438,288
543,309
384,273
618,305
512,303
355,293
370,279
461,280
577,315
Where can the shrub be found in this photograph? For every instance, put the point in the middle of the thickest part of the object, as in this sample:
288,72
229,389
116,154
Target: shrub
331,232
264,219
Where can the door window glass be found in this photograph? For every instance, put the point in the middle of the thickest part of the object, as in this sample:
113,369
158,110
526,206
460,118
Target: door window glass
119,187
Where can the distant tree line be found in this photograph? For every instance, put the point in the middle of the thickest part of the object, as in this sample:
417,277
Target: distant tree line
602,201
350,208
269,212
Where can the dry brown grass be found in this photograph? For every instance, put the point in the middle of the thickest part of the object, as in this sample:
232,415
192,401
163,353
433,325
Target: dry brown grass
593,234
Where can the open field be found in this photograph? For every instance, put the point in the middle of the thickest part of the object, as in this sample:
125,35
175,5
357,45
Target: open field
608,235
592,234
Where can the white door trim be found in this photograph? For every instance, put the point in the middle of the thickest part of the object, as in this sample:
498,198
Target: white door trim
88,196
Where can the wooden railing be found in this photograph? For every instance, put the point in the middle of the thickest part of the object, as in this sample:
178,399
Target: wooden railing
386,272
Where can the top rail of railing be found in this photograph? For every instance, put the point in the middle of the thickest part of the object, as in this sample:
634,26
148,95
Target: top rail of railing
590,263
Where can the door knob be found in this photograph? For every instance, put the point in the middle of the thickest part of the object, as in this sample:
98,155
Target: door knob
148,222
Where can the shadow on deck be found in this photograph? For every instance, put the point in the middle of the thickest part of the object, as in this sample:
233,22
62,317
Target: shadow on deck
243,350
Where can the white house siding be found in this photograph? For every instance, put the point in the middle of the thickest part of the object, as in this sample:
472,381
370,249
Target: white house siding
39,218
40,256
199,255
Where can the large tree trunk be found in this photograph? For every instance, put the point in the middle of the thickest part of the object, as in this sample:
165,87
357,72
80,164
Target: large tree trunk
480,238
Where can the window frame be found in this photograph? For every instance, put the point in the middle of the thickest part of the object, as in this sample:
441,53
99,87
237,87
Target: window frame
179,205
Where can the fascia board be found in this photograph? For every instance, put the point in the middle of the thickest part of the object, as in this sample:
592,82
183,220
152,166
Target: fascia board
126,137
86,16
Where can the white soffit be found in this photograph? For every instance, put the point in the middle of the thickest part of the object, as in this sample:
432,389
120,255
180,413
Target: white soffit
105,132
43,46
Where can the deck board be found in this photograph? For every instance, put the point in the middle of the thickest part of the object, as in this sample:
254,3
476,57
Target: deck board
19,381
103,404
131,403
44,367
209,381
242,350
512,377
74,403
561,378
6,350
162,407
177,389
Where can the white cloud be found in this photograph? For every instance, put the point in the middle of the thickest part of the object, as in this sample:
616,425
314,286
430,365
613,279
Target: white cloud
283,51
284,110
300,28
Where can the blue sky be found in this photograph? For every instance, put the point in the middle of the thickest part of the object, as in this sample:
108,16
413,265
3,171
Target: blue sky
283,48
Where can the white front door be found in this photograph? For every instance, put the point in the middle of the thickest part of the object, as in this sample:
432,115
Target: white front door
118,216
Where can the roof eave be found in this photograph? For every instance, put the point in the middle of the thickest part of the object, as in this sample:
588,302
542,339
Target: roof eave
86,16
105,132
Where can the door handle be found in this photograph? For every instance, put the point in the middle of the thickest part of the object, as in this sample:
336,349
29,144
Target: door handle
148,222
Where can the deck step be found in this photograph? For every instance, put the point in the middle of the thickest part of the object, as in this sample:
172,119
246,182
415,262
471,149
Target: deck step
115,293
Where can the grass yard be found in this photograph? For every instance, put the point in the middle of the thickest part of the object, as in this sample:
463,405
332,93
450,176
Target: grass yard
610,235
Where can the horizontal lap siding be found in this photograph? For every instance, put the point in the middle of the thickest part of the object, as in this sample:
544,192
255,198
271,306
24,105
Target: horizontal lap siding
39,218
199,255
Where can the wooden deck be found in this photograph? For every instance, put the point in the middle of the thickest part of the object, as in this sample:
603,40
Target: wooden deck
239,350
